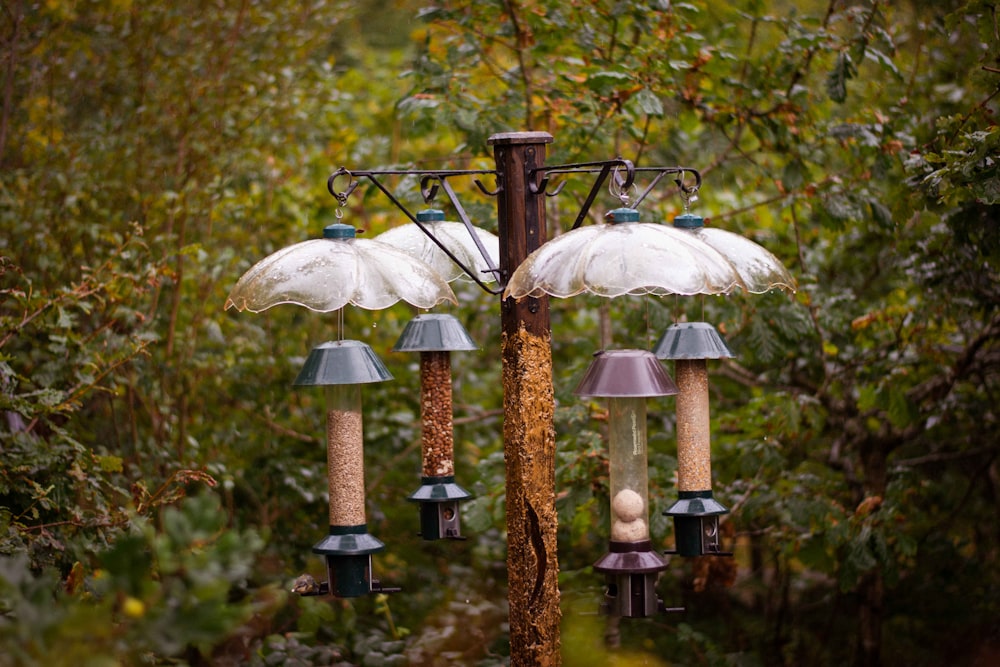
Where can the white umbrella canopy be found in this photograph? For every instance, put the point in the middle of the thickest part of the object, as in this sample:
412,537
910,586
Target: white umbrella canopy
455,237
329,273
760,270
624,258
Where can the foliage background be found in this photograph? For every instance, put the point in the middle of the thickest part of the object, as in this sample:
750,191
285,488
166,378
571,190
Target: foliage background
161,484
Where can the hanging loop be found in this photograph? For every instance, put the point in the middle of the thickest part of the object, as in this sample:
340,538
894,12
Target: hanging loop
342,196
689,194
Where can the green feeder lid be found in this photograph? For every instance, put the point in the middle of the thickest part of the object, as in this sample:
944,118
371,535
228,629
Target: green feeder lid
430,215
691,340
689,221
625,373
339,230
622,215
342,362
434,333
348,541
439,490
696,503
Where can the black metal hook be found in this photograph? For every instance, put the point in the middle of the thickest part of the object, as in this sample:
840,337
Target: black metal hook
557,189
680,181
428,193
485,191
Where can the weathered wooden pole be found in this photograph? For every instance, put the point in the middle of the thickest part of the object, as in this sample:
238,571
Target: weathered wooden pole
528,405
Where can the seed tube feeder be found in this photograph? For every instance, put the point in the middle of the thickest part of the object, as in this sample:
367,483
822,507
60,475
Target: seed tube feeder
696,512
435,337
341,367
627,378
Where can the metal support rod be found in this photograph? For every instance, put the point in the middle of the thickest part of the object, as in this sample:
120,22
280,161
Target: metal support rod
464,217
529,406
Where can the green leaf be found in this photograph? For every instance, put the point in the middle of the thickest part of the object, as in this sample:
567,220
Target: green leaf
110,463
881,214
649,102
836,81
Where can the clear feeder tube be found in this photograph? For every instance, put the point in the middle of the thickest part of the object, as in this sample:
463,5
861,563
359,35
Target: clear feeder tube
694,455
628,469
438,443
345,455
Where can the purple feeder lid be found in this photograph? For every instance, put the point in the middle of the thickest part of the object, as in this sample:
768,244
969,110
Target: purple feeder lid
626,373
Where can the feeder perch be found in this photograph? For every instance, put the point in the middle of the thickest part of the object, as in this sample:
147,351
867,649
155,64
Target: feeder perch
627,378
341,367
696,513
435,337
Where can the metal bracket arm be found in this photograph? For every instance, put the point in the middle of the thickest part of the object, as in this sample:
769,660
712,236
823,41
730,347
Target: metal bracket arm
429,183
538,179
603,169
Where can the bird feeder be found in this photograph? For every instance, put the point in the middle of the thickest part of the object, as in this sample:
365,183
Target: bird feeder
435,337
696,512
341,367
627,378
325,275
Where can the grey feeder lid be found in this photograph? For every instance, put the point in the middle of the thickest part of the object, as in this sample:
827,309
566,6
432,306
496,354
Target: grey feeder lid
691,340
348,541
696,503
626,373
434,333
342,362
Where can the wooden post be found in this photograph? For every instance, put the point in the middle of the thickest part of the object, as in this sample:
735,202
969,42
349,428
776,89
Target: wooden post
529,404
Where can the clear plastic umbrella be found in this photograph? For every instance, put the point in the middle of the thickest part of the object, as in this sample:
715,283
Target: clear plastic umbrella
326,274
760,270
627,257
455,237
